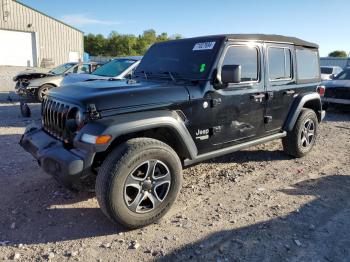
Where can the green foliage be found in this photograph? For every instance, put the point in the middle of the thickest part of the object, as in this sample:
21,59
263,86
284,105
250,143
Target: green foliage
338,53
123,44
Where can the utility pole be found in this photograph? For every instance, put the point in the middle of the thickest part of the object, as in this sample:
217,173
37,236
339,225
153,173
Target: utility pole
5,10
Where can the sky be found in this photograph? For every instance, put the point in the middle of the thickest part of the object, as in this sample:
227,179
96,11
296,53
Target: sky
323,22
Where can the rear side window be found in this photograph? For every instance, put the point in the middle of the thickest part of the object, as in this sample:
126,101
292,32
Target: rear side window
245,56
307,64
279,60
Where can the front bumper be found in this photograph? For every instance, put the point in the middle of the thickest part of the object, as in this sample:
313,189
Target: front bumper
66,165
27,94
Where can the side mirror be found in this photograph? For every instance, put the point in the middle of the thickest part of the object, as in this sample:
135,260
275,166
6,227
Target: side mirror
231,74
331,76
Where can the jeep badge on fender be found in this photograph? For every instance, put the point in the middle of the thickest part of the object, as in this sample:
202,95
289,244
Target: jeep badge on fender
190,100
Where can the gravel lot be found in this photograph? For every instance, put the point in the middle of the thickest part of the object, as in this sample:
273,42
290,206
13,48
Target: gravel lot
253,205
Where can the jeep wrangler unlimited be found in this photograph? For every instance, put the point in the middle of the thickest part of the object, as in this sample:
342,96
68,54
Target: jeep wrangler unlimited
190,100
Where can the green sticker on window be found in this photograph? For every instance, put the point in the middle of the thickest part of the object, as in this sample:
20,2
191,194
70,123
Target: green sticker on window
202,68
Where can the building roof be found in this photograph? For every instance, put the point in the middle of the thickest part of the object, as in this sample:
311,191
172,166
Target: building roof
48,16
264,38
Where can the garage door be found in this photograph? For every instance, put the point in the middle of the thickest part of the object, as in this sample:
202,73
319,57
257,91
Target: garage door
17,48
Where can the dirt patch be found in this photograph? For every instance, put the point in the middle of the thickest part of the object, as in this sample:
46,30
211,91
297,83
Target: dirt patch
253,205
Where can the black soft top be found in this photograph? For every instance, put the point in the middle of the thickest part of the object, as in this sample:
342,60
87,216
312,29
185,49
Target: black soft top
258,37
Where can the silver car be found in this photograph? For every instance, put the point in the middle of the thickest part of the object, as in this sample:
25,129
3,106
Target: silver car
33,85
117,69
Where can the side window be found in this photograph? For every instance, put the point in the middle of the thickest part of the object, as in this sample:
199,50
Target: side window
307,64
84,69
279,61
247,58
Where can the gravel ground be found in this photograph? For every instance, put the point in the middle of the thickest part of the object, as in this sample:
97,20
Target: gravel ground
253,205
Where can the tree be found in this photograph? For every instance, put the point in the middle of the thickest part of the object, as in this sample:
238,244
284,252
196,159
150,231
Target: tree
123,44
338,53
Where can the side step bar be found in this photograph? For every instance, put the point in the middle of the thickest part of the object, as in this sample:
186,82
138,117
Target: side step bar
232,149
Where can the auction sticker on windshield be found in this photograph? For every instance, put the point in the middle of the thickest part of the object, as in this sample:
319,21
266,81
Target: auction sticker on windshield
203,46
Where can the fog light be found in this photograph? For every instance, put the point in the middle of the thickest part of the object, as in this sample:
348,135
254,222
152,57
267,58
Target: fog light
99,140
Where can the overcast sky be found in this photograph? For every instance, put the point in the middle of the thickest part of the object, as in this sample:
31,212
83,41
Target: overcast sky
323,22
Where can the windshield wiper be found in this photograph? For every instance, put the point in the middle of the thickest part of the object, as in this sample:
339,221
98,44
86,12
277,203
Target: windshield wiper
171,75
144,74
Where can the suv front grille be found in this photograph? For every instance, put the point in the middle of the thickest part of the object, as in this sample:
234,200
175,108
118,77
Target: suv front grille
54,116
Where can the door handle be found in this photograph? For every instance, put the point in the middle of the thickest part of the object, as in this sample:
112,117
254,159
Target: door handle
257,96
289,92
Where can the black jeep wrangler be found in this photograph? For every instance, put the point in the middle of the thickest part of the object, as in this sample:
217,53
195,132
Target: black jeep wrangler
190,100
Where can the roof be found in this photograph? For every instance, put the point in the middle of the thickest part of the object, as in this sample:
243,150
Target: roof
264,38
18,2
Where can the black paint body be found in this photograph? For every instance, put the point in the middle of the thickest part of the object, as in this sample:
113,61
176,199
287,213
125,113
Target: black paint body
203,116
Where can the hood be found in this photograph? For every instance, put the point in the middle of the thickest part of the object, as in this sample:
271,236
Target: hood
337,83
31,74
74,78
49,79
121,95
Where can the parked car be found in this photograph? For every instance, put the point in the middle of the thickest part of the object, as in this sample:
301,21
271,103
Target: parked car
190,100
329,72
33,85
116,69
338,90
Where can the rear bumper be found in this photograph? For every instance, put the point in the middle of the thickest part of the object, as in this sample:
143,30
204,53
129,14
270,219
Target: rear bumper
64,164
336,100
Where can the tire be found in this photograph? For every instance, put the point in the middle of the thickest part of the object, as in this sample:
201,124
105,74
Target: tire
302,138
25,110
118,184
43,91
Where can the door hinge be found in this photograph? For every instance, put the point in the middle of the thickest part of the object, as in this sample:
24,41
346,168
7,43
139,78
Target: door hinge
267,119
269,95
215,102
216,129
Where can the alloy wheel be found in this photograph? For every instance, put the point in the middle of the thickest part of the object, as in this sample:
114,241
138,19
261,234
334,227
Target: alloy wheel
147,186
307,133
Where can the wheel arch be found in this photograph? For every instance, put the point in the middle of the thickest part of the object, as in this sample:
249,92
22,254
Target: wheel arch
308,100
166,126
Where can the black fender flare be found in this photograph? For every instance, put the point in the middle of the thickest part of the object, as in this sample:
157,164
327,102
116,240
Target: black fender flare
298,104
124,124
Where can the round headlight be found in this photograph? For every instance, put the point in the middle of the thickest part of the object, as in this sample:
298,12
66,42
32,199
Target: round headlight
79,118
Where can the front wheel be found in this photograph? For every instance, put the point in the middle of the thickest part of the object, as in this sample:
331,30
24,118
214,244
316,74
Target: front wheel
139,182
43,91
302,138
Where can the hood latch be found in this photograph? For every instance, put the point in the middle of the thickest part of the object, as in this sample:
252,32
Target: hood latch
93,113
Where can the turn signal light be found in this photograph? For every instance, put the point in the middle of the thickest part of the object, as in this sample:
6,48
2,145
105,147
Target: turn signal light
104,139
97,140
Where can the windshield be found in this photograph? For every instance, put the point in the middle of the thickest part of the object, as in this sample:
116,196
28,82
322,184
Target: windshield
345,75
114,67
326,70
187,59
61,69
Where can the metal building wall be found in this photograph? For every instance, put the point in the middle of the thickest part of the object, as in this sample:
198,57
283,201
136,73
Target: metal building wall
54,39
335,61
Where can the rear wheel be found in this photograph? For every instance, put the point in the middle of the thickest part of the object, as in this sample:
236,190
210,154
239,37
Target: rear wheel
138,182
302,138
